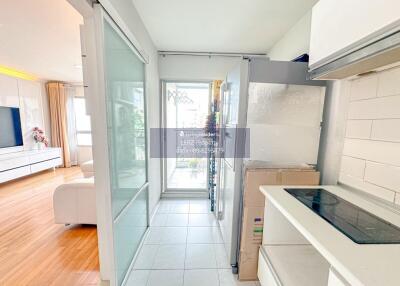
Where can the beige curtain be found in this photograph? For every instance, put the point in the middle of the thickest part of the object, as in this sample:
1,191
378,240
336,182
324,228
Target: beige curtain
58,119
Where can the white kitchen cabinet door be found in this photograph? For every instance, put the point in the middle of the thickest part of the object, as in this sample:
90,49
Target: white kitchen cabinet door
338,25
265,273
335,279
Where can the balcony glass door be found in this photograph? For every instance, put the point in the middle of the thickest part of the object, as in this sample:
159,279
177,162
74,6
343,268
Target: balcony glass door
186,107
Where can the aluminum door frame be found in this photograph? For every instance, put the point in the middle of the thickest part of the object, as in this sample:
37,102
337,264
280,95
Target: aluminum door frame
231,201
165,191
94,70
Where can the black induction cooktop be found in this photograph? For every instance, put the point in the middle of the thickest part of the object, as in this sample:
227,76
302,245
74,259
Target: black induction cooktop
357,224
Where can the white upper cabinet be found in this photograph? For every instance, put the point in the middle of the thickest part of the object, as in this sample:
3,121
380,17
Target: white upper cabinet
340,26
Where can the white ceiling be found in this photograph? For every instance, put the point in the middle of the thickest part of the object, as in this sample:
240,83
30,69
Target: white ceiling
245,26
41,37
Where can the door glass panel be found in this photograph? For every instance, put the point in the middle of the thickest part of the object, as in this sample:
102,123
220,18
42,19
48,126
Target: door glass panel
125,100
187,107
128,232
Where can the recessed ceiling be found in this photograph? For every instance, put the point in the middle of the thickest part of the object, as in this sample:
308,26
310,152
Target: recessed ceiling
245,26
41,37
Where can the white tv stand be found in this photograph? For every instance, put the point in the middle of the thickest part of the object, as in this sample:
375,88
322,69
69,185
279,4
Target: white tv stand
19,164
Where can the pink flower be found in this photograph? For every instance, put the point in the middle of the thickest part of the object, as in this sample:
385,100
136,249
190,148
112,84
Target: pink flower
39,136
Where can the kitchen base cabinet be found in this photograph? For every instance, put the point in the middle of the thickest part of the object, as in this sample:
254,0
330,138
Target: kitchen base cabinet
302,247
266,273
335,279
292,265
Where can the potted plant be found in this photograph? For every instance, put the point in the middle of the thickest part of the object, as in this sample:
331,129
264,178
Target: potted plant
40,138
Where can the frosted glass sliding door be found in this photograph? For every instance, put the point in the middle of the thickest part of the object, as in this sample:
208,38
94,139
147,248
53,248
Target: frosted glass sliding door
126,132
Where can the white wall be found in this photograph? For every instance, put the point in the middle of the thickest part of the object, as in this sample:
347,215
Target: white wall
28,96
295,42
371,153
186,67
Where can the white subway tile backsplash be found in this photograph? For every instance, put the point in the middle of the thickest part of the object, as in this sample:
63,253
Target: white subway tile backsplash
358,129
360,184
364,88
377,151
383,175
389,82
386,130
353,167
371,151
376,108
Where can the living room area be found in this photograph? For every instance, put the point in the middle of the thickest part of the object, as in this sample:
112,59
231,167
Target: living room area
48,221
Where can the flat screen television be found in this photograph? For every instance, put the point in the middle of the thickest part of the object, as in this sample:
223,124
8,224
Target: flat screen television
10,127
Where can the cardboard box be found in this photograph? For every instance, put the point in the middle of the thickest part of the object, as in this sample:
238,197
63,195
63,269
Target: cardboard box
253,208
253,224
255,178
303,178
248,269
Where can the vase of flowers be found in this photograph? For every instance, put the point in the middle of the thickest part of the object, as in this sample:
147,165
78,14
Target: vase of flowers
40,138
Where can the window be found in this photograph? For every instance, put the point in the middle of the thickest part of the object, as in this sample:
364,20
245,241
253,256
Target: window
83,128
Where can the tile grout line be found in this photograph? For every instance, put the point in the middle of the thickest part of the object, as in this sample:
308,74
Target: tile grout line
213,243
184,261
216,261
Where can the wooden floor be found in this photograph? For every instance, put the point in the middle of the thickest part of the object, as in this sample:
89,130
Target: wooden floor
33,249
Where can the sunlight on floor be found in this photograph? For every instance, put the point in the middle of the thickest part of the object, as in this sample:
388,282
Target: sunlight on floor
188,178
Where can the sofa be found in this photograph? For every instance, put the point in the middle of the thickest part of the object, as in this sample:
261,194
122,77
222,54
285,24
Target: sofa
87,169
75,202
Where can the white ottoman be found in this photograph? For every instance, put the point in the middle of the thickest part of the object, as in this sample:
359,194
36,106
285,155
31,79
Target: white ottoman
75,202
87,169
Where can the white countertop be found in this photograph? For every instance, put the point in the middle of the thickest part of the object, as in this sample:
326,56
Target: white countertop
369,265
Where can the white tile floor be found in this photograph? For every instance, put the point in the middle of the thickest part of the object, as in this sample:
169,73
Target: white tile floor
183,248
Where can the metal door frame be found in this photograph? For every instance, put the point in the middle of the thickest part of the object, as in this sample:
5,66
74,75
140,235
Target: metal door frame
198,192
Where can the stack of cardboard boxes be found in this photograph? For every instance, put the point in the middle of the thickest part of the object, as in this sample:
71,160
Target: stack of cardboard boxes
257,173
